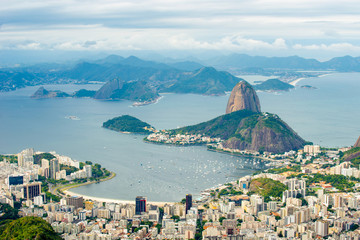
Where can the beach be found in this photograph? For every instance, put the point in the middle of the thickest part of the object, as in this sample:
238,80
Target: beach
296,81
109,200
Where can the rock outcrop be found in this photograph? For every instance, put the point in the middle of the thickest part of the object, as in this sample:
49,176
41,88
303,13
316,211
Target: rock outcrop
243,97
357,144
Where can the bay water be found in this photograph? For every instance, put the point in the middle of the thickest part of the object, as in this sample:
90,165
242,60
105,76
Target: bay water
328,116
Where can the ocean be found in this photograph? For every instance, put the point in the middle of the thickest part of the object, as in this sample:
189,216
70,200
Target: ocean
327,116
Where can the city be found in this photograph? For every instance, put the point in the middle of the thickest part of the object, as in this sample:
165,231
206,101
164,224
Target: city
309,193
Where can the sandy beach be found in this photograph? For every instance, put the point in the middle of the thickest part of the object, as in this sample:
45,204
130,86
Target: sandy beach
296,81
109,200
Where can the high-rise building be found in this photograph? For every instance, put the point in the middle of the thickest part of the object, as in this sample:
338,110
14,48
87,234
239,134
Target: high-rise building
75,201
88,170
32,190
322,228
140,205
45,163
188,202
54,168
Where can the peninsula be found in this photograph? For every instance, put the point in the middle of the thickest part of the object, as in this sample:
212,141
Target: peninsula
243,128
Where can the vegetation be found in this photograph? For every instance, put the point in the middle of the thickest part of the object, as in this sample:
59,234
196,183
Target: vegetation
267,188
8,212
352,155
338,181
84,93
206,80
9,158
239,128
39,157
229,191
118,89
127,123
68,169
224,126
273,84
294,168
28,228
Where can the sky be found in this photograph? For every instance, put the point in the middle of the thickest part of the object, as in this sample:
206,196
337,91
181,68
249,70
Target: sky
309,28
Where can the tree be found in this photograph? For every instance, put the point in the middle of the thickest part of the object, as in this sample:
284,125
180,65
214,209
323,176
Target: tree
28,228
176,218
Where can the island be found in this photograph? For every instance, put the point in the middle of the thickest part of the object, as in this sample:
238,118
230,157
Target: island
128,124
137,91
274,85
43,93
308,87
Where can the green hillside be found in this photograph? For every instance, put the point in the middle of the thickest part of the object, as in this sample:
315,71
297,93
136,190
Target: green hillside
28,228
245,130
127,123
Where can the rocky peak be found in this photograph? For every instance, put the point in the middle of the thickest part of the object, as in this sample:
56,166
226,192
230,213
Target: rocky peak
108,89
41,92
357,144
243,97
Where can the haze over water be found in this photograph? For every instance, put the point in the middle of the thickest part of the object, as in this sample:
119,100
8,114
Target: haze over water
327,116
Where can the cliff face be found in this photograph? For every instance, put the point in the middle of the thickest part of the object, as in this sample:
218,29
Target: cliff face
243,97
357,144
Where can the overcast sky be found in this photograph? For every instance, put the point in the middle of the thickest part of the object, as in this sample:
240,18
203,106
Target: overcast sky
277,27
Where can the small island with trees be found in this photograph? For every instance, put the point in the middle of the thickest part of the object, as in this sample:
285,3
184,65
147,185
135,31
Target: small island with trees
128,124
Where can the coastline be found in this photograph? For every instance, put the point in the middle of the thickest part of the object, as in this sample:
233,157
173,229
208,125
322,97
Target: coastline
64,190
296,81
110,200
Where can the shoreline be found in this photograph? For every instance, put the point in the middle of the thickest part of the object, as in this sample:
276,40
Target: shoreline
64,190
111,200
296,81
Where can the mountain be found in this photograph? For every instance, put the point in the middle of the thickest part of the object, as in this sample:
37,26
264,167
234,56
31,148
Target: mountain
243,61
134,91
43,93
137,62
357,144
186,66
127,123
246,130
206,80
244,127
243,97
344,64
273,85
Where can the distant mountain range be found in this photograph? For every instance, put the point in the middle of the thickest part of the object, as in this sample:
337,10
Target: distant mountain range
178,77
243,61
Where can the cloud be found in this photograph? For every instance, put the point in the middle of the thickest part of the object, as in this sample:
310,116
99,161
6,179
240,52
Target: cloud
235,43
247,25
336,47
